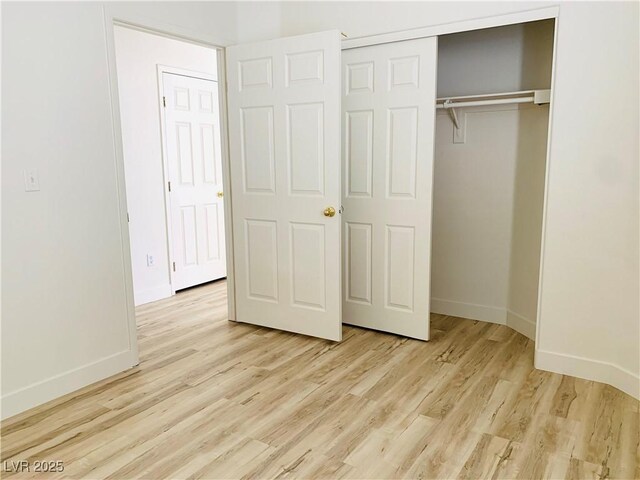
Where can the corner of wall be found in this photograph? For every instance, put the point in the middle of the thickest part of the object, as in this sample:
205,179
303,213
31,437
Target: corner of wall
521,325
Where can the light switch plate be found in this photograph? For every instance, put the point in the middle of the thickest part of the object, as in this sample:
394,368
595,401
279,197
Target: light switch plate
31,180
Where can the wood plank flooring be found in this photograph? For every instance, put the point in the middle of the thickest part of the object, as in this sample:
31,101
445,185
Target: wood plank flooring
217,399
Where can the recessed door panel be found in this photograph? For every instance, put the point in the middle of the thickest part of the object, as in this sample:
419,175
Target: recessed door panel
400,260
208,153
359,153
404,72
185,152
306,148
255,73
358,262
305,68
262,259
307,265
403,150
181,99
258,149
189,233
206,101
359,77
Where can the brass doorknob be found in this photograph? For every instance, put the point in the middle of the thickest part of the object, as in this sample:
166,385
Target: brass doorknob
329,212
220,194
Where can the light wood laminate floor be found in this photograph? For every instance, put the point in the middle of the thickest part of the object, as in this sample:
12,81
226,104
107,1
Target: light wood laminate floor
216,399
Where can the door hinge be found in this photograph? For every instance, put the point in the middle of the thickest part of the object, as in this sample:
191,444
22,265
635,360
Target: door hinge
127,217
174,266
169,183
164,102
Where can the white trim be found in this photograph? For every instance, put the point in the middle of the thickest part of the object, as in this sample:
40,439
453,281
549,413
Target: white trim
472,311
226,181
188,73
454,27
149,295
521,325
121,190
165,178
41,392
167,30
589,369
545,201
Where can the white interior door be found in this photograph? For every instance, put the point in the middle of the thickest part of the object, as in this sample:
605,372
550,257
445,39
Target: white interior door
388,104
194,160
284,142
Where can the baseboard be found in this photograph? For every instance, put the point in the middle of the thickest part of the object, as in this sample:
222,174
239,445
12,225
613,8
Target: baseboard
152,294
64,383
469,310
589,369
521,325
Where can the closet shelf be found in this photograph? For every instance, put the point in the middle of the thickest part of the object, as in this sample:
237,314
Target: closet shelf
538,97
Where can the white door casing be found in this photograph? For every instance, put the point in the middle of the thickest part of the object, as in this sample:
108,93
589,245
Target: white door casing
284,143
388,105
194,174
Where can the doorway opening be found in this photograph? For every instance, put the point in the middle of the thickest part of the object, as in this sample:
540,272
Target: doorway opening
171,122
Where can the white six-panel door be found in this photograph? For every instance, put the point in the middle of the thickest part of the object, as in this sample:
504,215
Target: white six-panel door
284,142
388,106
194,160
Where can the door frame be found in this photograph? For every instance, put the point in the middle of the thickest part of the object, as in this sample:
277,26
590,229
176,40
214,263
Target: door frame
161,69
111,19
545,13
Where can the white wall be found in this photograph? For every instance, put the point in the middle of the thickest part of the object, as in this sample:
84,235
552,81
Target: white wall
589,318
137,56
65,263
503,59
258,21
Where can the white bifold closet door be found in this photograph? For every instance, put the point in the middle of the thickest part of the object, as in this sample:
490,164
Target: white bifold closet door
284,142
388,105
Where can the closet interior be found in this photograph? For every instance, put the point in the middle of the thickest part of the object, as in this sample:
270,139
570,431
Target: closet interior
493,89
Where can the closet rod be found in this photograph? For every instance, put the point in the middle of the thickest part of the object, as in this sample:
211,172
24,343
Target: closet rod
528,96
476,103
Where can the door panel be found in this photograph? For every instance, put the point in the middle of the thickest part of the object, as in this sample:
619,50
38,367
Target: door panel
388,106
192,132
284,142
